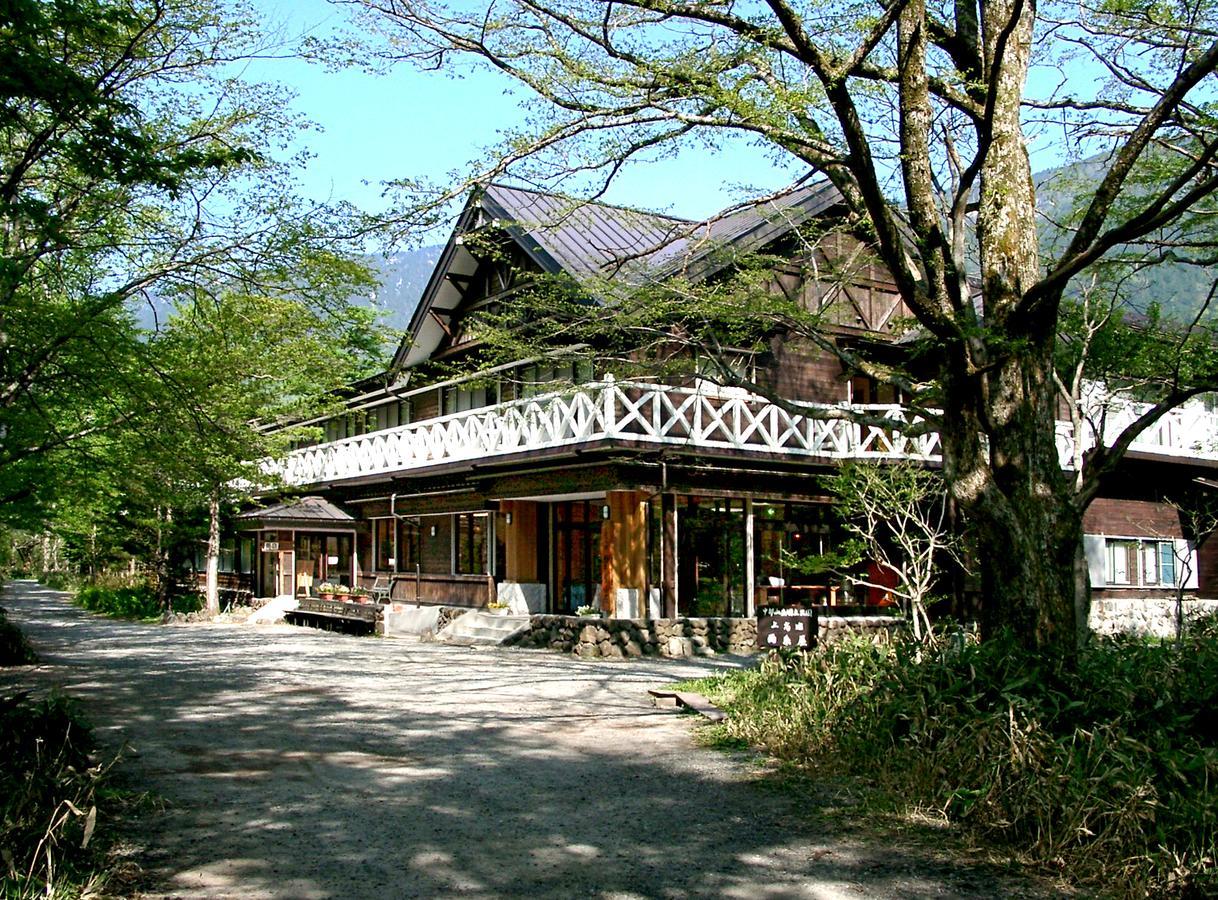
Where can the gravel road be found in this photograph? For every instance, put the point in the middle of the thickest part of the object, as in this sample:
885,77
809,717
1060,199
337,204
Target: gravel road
302,764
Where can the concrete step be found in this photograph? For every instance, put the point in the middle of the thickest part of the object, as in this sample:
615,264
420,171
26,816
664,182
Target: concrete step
482,628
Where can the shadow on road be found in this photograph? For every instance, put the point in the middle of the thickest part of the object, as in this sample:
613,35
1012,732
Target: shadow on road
305,764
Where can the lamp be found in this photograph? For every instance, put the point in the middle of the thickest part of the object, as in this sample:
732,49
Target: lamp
508,517
433,530
605,512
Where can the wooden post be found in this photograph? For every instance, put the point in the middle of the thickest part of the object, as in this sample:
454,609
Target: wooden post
668,540
624,549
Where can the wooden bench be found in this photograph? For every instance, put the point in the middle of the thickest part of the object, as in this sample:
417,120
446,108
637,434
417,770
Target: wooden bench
334,615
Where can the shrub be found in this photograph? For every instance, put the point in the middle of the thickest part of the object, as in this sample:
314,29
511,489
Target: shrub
125,603
48,792
58,581
15,650
1108,767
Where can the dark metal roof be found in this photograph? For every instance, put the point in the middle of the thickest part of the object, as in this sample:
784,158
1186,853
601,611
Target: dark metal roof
582,238
587,239
315,510
598,242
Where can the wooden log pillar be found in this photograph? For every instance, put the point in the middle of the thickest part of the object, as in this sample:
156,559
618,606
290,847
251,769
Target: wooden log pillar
668,567
520,541
624,549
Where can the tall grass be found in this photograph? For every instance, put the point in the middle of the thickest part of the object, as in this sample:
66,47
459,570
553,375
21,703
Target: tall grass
1106,768
48,800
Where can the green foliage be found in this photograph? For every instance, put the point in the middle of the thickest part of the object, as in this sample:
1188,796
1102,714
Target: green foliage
49,792
15,650
1106,767
140,169
124,602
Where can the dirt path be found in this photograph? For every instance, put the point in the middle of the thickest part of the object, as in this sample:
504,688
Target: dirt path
301,764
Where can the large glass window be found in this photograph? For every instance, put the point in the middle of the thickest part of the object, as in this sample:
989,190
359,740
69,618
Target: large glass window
541,378
470,549
710,556
577,548
783,530
408,545
383,544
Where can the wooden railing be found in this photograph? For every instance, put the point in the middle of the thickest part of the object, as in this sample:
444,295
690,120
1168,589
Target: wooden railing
640,414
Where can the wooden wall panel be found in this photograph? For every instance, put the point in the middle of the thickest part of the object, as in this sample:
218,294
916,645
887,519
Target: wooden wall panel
1132,518
520,540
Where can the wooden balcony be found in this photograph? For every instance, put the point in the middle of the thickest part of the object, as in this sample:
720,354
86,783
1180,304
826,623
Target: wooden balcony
634,414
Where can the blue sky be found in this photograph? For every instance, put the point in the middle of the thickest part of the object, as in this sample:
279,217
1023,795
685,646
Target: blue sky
410,124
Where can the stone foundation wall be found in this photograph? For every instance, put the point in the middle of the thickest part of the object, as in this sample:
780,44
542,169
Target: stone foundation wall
1144,616
593,638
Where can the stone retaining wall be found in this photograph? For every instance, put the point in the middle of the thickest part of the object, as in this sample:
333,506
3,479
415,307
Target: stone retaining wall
1144,616
618,638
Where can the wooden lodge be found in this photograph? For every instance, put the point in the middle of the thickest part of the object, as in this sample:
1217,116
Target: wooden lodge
554,488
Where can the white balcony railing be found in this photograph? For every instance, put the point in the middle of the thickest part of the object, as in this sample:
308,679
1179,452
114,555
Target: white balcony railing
618,412
634,414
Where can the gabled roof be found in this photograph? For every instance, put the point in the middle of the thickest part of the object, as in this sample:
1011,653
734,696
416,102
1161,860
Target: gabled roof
583,239
302,511
598,241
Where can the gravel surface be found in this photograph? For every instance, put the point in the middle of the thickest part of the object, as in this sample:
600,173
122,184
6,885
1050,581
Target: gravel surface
301,764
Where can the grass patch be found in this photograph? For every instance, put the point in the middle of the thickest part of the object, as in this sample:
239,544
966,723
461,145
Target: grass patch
49,795
1106,769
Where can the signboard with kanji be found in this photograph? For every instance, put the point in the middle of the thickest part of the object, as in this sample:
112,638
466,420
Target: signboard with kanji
786,629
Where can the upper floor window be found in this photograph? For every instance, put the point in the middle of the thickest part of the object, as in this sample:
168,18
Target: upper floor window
541,378
459,398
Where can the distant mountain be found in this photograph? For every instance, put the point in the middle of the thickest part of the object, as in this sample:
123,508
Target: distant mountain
402,278
1179,288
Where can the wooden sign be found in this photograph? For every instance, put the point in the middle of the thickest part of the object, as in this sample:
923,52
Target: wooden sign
780,628
270,546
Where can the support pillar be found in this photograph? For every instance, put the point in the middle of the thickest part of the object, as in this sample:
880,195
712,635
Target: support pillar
624,551
668,541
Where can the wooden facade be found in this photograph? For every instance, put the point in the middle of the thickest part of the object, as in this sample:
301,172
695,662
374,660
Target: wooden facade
558,490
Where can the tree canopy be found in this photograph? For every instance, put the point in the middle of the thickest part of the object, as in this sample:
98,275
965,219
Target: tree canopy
138,167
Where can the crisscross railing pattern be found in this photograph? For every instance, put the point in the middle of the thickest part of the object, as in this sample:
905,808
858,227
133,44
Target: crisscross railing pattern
634,413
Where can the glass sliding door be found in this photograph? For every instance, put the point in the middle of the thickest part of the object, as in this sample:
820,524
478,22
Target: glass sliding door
577,554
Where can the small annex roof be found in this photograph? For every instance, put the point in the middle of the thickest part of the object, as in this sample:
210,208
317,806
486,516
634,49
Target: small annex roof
300,512
598,241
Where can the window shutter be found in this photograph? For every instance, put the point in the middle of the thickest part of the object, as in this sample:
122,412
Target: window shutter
1186,567
1095,551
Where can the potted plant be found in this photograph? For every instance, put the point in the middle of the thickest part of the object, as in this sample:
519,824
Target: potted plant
588,611
361,595
497,608
326,590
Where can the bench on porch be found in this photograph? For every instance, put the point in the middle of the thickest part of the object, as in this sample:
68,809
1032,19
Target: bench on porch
335,615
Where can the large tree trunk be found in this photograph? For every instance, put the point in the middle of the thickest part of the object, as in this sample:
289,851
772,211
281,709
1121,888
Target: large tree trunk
998,382
213,555
1025,522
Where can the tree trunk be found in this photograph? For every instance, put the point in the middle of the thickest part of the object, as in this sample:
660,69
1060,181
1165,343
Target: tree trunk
212,595
1025,522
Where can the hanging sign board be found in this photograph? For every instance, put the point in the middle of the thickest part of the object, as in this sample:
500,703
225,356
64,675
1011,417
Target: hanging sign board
780,628
331,560
270,546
